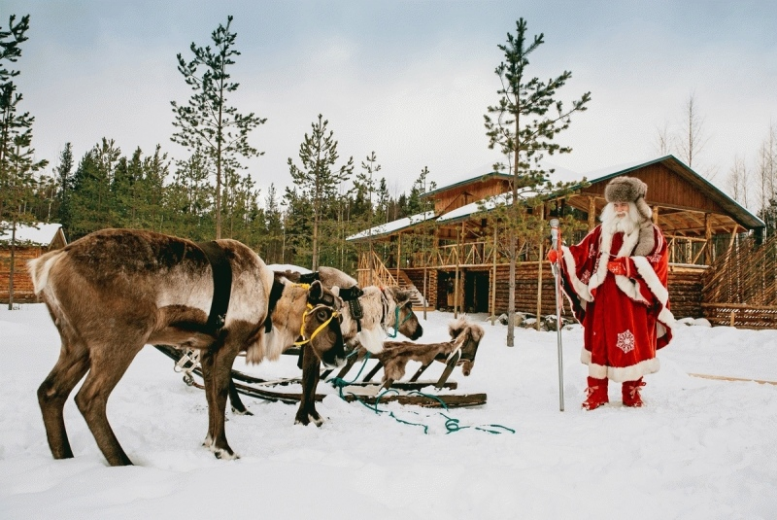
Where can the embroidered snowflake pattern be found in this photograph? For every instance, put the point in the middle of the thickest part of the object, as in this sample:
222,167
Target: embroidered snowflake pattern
625,341
585,277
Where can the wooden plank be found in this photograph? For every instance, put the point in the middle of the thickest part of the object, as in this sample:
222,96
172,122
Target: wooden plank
727,378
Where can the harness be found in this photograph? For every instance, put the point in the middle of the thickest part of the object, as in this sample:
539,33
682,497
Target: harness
350,295
397,323
275,295
222,284
310,310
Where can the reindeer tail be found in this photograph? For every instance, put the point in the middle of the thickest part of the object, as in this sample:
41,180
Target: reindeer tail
40,267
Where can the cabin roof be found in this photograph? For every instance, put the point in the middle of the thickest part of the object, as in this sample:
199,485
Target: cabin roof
390,228
37,235
467,182
732,207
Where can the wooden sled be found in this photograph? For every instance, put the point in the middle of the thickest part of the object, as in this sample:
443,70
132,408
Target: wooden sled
460,351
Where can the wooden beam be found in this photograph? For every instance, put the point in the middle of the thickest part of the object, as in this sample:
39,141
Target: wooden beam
591,213
708,237
539,273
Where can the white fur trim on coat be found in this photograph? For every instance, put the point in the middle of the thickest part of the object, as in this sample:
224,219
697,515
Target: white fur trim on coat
580,288
620,374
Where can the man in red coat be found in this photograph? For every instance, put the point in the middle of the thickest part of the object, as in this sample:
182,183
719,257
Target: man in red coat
616,281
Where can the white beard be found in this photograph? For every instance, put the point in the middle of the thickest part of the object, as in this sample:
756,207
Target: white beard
612,224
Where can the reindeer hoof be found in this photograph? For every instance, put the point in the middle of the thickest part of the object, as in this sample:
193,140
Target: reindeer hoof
223,454
244,411
309,418
208,442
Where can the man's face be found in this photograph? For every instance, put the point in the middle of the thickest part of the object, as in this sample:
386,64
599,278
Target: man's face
621,209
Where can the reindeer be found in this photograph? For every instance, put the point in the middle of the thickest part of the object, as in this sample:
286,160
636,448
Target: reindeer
385,312
114,291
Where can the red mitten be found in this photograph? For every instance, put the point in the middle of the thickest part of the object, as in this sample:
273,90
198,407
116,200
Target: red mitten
617,267
553,256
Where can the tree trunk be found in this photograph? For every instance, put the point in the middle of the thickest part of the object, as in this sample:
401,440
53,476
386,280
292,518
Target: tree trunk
13,258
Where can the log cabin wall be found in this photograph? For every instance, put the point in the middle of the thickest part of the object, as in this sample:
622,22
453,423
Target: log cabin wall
457,197
684,291
417,277
23,289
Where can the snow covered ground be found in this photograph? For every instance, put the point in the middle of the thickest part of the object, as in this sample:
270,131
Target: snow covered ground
700,449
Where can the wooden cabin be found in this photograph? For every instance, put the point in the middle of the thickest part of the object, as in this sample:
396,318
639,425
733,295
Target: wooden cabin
455,262
31,242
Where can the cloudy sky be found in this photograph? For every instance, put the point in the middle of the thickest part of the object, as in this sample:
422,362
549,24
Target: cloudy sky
410,80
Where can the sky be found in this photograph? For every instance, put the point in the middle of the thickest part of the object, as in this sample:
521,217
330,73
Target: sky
409,80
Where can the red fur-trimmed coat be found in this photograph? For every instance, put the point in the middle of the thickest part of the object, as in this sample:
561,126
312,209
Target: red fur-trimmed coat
626,318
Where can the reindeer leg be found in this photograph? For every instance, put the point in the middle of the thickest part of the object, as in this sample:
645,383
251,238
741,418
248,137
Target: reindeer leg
311,368
54,391
108,363
234,398
219,369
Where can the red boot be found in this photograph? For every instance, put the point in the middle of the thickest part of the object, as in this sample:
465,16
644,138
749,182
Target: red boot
631,395
597,393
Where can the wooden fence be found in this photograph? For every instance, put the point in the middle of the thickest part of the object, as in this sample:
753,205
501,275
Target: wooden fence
740,288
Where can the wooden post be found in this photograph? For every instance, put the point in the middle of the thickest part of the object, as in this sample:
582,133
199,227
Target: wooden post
591,214
399,254
493,278
539,268
708,239
456,278
655,215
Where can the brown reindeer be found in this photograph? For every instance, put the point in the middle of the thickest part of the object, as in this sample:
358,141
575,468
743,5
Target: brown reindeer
114,291
386,312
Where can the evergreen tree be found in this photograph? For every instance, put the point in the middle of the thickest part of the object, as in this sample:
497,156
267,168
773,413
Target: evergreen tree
318,177
17,157
64,173
94,203
207,124
274,225
522,128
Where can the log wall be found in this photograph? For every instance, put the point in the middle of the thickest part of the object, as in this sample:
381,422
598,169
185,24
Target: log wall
684,290
23,290
417,277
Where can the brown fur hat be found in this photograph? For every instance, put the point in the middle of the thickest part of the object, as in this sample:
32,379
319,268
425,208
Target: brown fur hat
629,189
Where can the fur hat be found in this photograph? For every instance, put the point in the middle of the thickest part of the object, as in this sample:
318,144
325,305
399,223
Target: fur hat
629,189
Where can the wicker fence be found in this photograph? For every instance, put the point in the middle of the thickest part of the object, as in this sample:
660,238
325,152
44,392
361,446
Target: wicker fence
740,288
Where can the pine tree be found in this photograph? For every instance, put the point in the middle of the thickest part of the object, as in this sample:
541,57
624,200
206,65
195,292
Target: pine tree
17,157
208,124
274,226
64,173
318,177
523,131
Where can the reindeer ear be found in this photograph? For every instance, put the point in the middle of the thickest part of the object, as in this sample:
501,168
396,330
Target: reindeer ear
316,291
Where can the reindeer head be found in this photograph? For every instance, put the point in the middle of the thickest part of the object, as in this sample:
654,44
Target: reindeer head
321,326
402,318
472,334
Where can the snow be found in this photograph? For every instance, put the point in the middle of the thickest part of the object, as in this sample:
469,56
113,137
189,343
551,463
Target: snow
393,226
700,449
42,236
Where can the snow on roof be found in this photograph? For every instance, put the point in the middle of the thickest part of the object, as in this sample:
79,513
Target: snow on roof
484,205
392,227
42,236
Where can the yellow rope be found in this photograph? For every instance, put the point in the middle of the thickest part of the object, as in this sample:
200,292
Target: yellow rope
319,329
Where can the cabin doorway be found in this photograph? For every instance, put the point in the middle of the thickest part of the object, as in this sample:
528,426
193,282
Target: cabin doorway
476,291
